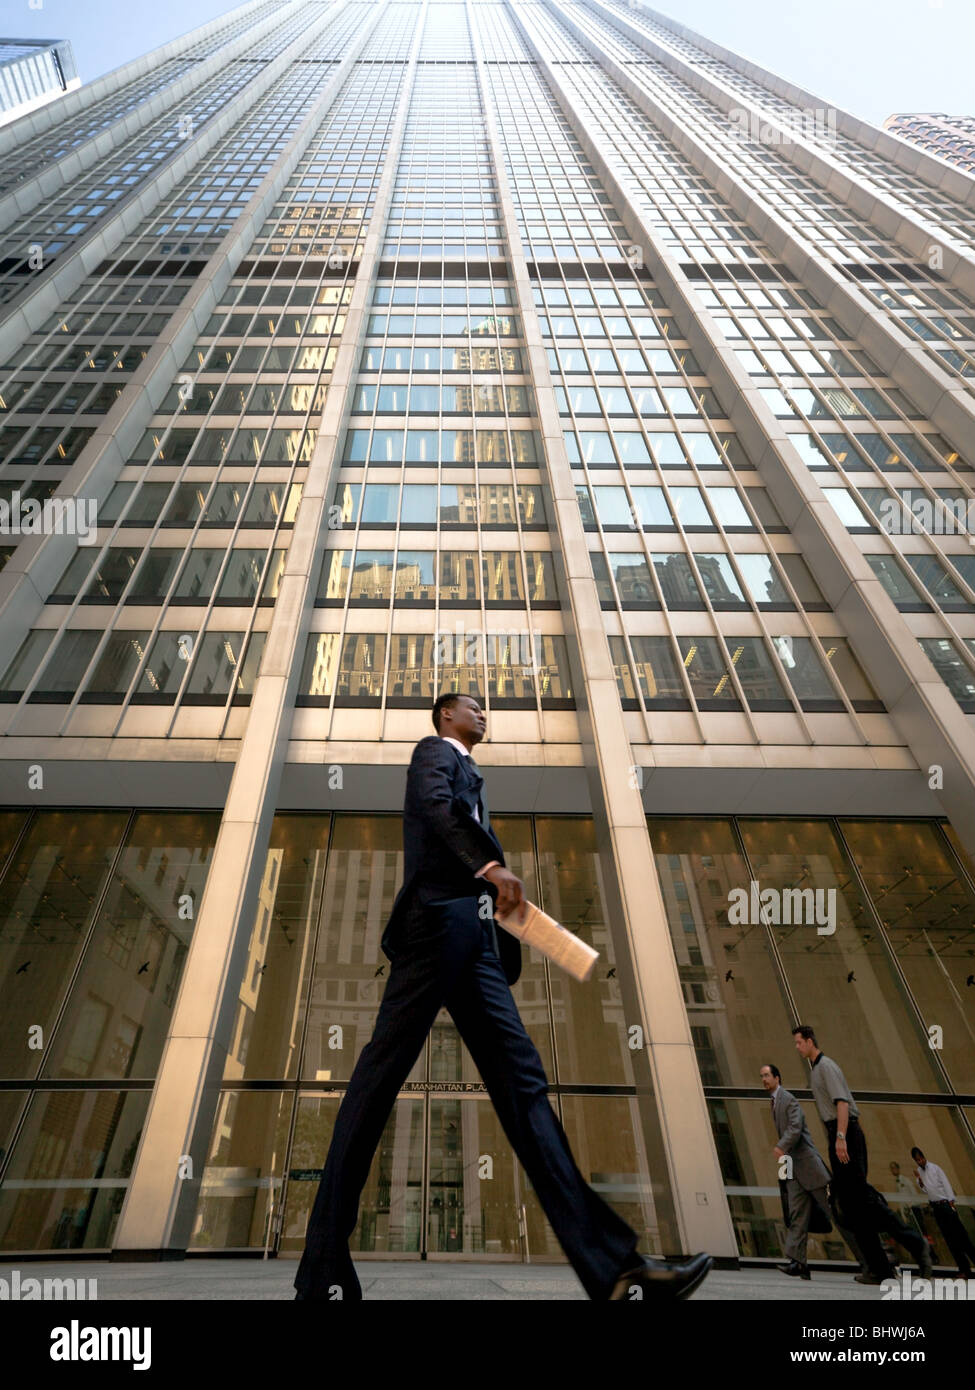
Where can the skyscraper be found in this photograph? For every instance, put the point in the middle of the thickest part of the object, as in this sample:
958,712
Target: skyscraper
541,350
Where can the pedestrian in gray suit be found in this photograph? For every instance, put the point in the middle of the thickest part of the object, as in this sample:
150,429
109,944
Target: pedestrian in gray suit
808,1176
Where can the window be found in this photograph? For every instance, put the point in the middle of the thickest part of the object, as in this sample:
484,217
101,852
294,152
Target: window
896,584
19,674
763,581
633,581
807,677
154,576
858,689
937,581
677,581
658,673
692,514
728,508
199,574
720,582
65,669
708,673
757,674
952,668
116,667
843,504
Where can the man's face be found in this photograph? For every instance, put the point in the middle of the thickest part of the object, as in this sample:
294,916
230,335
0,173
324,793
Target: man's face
921,1160
768,1080
895,1168
464,720
805,1046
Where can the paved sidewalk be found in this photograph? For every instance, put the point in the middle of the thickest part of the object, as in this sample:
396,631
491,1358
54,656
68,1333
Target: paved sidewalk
411,1280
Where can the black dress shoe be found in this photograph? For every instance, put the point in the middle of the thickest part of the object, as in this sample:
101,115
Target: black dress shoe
662,1280
795,1269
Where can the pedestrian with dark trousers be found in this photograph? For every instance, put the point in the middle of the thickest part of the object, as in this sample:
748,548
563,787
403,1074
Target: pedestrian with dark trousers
862,1207
934,1183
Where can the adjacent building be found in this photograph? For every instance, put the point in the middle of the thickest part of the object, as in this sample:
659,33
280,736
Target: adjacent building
951,138
32,73
542,350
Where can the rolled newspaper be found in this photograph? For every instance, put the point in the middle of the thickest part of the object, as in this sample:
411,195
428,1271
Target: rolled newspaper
565,950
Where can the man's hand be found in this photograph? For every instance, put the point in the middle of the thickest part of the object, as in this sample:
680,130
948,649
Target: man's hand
511,892
842,1153
778,1153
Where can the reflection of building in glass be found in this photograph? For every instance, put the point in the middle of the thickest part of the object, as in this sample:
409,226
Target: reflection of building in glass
393,362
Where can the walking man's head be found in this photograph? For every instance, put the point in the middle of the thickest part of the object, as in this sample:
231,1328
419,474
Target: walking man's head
460,717
771,1076
895,1168
918,1157
806,1044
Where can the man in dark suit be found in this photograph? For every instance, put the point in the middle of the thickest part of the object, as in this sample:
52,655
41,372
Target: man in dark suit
808,1180
447,952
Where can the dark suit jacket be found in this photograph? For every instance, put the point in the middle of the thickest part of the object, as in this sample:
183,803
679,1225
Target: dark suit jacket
808,1168
443,844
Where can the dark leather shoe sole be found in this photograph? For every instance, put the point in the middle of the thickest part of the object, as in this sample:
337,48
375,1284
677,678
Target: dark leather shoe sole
661,1281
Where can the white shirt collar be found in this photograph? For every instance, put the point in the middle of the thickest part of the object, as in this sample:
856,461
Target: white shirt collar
457,744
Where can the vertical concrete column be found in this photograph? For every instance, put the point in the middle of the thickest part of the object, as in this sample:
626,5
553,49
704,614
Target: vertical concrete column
691,1206
160,1206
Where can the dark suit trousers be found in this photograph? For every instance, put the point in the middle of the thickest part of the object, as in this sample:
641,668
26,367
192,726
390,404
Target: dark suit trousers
451,962
956,1237
860,1209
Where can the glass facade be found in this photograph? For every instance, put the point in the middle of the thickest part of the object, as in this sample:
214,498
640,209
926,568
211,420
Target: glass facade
894,967
444,1180
98,917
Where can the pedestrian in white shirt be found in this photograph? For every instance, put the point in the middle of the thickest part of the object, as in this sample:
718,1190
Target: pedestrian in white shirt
934,1183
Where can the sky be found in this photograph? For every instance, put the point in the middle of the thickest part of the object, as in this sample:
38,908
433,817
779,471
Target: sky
871,57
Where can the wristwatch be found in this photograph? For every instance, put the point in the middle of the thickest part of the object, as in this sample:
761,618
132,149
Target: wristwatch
840,1136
